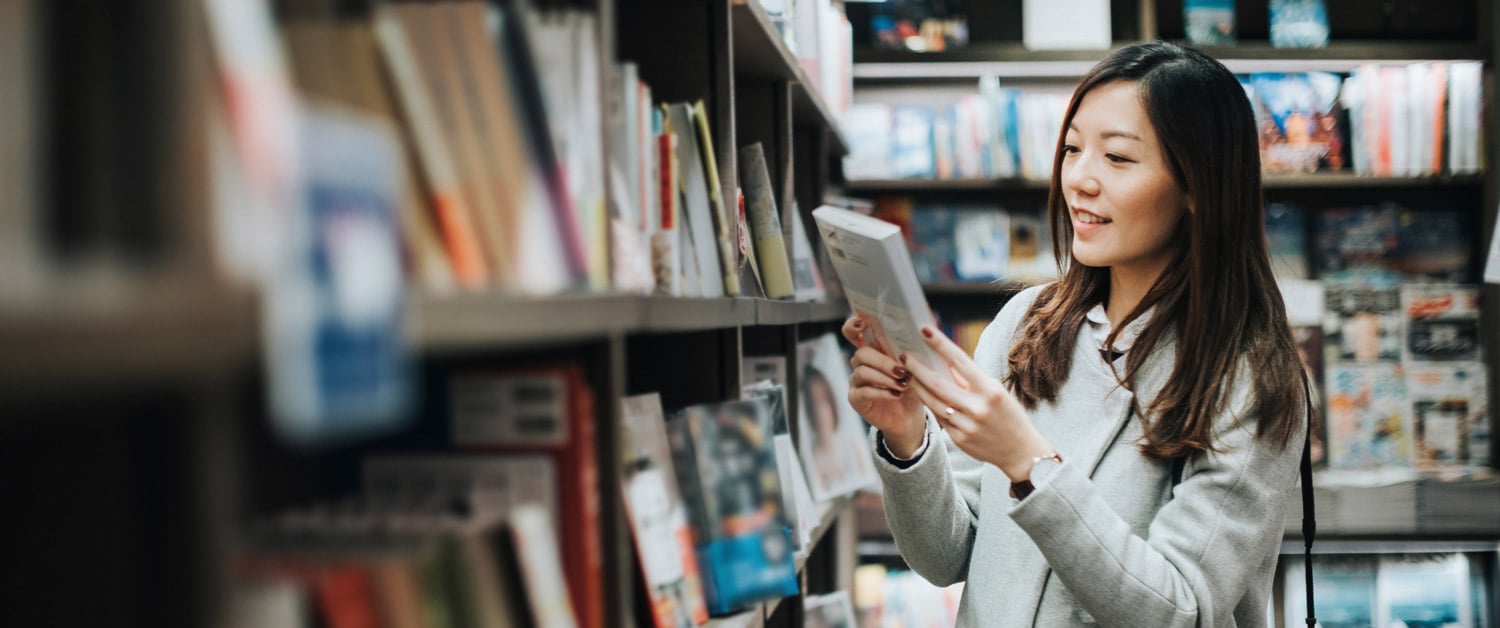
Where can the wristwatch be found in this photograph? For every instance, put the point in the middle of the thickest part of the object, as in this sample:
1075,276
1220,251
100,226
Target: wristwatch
1019,490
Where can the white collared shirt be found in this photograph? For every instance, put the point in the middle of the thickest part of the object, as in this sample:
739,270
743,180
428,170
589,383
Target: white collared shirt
1101,327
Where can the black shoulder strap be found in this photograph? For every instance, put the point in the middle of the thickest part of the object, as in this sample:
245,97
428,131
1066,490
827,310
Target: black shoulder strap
1309,519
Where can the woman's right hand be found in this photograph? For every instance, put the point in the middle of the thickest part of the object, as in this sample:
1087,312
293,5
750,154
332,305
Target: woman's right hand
880,391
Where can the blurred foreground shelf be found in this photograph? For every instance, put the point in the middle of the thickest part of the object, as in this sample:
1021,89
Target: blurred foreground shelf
173,335
479,321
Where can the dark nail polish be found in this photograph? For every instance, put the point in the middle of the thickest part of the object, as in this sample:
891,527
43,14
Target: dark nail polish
896,394
901,373
927,332
903,358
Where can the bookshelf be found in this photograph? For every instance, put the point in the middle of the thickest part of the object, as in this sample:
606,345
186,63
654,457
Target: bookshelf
1271,182
145,392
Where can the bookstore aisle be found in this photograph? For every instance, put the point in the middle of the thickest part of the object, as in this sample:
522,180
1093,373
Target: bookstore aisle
463,313
487,313
1375,140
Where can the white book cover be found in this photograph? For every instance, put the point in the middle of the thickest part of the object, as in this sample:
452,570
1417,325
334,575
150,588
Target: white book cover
982,241
830,610
698,217
831,435
541,568
875,268
1065,24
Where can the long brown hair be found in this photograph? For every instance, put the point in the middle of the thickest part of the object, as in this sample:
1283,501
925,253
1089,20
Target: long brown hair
1217,296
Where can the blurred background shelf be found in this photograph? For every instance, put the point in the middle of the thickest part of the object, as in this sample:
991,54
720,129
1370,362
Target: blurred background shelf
1271,181
1411,509
760,52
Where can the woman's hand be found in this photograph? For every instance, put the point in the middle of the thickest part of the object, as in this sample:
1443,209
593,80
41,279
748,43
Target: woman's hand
982,417
880,391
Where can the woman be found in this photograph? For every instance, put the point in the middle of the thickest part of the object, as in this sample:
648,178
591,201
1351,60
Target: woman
1119,448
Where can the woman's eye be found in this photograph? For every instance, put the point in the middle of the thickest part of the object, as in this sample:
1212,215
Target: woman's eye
1069,149
1116,158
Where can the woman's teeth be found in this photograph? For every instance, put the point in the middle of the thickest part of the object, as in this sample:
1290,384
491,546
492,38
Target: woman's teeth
1091,219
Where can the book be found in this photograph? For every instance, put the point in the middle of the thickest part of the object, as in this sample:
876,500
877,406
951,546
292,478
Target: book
1356,244
725,228
1065,24
726,467
698,203
1298,23
1286,240
1450,414
1209,22
830,610
1304,107
879,281
981,240
765,223
796,498
805,274
546,410
831,435
336,363
658,516
1442,323
1369,422
1433,245
1362,324
535,544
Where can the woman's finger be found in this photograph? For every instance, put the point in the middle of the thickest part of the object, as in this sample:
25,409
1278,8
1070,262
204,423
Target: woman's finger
867,375
870,357
939,385
863,398
956,358
854,331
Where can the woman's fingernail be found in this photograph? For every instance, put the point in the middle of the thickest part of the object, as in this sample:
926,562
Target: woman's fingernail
901,373
927,332
859,324
903,358
894,393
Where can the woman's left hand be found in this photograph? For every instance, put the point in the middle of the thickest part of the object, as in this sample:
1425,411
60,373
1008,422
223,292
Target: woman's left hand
981,417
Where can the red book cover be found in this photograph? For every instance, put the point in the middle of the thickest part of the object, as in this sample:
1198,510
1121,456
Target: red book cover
548,411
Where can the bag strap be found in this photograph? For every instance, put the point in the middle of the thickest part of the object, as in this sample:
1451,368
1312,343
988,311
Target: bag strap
1309,518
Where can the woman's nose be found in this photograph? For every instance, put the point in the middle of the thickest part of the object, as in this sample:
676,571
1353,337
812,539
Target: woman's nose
1078,176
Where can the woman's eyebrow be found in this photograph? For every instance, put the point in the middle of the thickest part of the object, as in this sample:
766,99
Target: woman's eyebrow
1112,133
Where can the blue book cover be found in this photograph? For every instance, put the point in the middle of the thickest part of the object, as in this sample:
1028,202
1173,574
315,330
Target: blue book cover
1209,22
1299,24
1304,133
935,254
913,150
1356,244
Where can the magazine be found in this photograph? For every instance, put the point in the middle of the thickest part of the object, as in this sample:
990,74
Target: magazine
871,260
831,434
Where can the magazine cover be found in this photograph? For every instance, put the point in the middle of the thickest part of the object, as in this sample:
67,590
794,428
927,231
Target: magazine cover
1362,324
1209,22
1357,244
1434,245
934,245
1343,587
1442,322
912,153
1299,24
1425,590
1368,421
981,239
1305,134
796,498
1450,414
658,517
834,451
725,460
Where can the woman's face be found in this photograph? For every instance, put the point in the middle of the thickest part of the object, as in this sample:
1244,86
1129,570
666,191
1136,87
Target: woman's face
1122,199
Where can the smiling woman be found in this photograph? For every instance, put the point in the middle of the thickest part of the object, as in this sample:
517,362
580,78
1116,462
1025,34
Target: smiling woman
1119,448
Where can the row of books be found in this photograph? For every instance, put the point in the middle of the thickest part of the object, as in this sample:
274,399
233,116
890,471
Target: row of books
1402,120
973,243
500,527
1001,132
1292,23
719,496
1376,244
1437,589
674,235
1416,119
504,189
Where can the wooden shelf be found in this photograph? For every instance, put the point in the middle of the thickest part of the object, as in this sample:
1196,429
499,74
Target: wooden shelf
760,52
1015,61
491,321
173,335
1270,181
